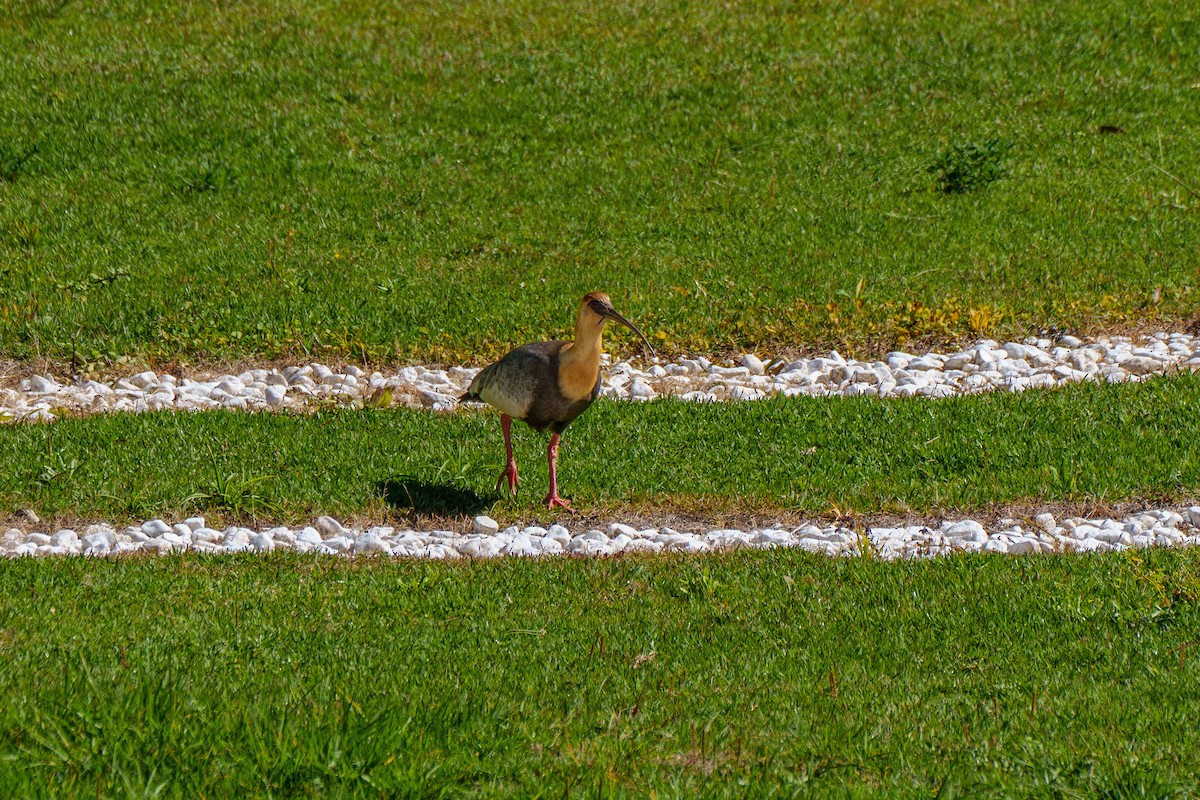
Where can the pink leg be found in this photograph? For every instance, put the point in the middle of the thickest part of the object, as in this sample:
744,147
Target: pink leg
553,499
510,467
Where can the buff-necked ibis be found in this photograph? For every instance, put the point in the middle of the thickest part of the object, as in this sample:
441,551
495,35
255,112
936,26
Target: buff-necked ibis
548,384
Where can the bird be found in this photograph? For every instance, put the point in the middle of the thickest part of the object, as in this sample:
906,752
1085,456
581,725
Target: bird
549,384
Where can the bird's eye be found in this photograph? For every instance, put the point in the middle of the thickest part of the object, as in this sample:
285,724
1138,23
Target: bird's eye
598,307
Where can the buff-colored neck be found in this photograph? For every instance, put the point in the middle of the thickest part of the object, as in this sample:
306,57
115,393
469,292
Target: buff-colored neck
580,360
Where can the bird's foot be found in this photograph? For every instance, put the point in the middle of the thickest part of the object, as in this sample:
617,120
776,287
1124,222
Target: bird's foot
510,475
553,500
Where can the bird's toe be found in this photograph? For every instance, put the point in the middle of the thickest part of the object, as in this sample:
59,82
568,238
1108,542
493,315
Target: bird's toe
554,501
509,476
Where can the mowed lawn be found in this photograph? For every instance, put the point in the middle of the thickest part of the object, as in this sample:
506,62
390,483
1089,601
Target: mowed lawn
437,181
186,183
1083,444
760,674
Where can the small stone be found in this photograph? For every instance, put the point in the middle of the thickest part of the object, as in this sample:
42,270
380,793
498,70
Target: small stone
479,547
155,527
551,547
95,550
30,516
275,395
581,546
771,538
203,534
640,390
522,546
967,530
40,384
959,360
104,537
282,535
262,543
65,538
1141,365
338,544
1171,518
144,379
237,537
619,528
1046,522
754,364
195,523
309,536
328,526
158,546
485,526
439,552
1023,545
370,543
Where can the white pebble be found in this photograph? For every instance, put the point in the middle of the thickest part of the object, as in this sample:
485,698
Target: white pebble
209,535
479,547
485,525
65,538
155,527
144,380
262,543
754,364
328,526
275,395
967,530
309,536
338,544
369,543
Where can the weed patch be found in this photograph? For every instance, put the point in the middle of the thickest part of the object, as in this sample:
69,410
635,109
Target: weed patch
969,166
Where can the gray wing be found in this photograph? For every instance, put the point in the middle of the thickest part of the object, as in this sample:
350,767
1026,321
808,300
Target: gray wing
513,383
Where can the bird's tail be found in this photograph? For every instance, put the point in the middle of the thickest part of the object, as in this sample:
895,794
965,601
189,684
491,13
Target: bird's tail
473,390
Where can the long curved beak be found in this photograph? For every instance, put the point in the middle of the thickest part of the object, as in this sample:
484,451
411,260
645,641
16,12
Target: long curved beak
609,311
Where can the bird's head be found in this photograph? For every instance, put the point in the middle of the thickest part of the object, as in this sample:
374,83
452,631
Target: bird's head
596,309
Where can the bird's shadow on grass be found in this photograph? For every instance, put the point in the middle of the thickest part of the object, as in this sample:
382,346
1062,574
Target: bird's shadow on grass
421,498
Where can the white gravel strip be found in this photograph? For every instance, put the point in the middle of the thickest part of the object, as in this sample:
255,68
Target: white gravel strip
985,366
328,537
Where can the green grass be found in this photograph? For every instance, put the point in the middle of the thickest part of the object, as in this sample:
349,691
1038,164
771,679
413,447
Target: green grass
442,180
1084,442
438,181
747,675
